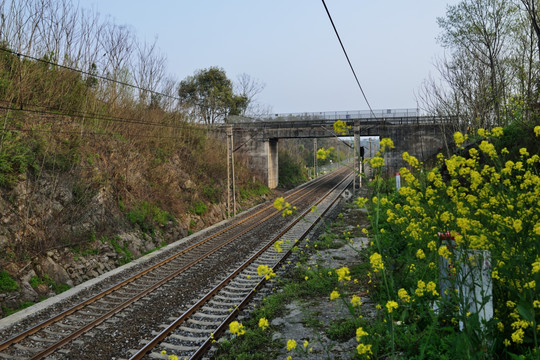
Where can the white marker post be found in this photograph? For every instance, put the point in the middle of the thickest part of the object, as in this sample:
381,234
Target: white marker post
398,181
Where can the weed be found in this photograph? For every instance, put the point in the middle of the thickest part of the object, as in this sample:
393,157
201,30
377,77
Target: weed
147,216
126,255
253,189
199,208
35,281
212,193
343,329
7,283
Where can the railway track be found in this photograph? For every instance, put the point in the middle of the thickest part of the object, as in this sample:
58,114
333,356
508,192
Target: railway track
170,289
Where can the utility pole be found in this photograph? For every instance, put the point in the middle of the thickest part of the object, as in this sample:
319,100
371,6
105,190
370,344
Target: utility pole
357,162
231,193
315,170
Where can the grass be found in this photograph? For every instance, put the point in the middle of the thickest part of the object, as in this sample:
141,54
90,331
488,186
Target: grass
7,283
35,281
147,216
343,329
125,255
199,208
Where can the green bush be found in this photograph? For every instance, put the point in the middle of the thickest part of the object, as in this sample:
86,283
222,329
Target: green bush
253,189
35,281
199,208
7,283
147,216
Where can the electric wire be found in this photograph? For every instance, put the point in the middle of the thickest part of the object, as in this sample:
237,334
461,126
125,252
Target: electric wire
348,60
89,74
94,116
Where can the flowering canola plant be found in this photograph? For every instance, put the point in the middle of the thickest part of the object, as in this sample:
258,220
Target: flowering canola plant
484,201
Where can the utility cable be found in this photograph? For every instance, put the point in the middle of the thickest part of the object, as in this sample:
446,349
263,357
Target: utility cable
92,116
88,73
348,60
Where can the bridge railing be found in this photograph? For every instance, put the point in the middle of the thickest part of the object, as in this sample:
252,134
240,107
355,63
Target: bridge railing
342,115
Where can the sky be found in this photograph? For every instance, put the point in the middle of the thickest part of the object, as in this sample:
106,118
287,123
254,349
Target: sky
291,48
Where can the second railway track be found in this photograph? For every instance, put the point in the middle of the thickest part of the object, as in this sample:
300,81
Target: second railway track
112,322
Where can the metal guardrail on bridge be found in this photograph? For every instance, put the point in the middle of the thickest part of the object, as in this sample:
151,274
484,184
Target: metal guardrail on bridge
342,115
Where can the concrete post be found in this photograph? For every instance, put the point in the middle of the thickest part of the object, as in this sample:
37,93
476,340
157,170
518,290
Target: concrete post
315,170
273,163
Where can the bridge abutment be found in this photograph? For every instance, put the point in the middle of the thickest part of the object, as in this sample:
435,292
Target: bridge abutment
262,155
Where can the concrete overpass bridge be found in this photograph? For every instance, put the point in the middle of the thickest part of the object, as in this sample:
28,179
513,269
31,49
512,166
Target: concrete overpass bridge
419,135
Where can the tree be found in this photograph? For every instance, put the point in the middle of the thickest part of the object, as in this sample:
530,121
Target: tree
531,8
208,95
478,31
249,87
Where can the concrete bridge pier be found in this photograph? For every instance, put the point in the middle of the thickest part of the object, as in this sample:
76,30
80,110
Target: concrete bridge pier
262,154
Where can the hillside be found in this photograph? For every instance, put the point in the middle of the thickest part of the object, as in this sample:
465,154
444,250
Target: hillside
81,196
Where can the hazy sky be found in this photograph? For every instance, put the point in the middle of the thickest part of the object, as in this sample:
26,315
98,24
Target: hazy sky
290,46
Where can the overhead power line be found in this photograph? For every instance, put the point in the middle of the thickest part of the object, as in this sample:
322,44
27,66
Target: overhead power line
89,74
347,56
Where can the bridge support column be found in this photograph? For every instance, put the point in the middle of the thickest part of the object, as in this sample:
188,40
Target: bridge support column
262,155
273,173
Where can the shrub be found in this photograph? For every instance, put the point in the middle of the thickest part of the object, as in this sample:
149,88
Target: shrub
199,208
7,283
147,216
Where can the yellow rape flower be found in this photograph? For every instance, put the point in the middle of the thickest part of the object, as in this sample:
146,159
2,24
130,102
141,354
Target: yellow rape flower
362,349
266,271
444,252
376,162
488,148
361,202
359,333
237,328
376,262
537,130
334,295
420,288
432,287
391,305
279,203
356,301
517,336
403,295
536,266
343,273
458,138
340,127
291,344
517,225
386,143
497,131
263,323
306,344
420,254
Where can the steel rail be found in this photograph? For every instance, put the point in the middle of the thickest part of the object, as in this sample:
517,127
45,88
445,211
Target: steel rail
166,332
222,327
121,284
